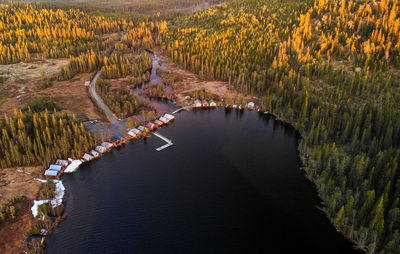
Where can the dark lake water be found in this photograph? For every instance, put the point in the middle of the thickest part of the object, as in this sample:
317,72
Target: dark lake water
231,183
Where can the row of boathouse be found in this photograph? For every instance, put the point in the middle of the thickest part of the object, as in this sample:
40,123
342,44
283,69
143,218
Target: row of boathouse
68,166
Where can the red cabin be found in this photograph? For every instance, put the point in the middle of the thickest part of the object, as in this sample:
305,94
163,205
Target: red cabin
150,126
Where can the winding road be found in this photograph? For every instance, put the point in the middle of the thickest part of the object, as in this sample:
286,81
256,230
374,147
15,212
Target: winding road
99,101
116,127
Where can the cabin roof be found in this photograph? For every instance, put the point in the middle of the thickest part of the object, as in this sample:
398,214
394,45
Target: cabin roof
62,162
55,167
50,173
87,156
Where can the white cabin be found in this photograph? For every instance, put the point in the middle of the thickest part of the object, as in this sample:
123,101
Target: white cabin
107,145
197,104
164,120
101,149
87,157
250,105
94,153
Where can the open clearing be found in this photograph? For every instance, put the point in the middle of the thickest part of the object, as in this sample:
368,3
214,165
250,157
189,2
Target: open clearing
188,81
27,71
72,96
12,184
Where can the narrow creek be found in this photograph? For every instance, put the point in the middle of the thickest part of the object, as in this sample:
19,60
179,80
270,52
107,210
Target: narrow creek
161,105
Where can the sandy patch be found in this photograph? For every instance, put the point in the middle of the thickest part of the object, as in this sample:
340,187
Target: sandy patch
31,70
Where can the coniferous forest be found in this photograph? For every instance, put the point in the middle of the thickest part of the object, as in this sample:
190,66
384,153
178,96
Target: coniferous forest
332,69
37,135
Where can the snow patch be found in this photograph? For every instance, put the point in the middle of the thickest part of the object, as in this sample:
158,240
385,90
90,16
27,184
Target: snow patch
35,207
59,193
40,180
56,201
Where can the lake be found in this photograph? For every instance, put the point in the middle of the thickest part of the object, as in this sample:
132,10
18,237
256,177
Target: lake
231,183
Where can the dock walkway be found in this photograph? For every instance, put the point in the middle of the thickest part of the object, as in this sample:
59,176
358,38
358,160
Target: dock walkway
176,111
169,142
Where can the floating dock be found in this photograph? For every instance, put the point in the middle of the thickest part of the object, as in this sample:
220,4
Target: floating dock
163,147
169,142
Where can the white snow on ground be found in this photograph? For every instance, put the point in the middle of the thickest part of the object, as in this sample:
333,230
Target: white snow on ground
36,204
56,201
40,180
73,166
21,171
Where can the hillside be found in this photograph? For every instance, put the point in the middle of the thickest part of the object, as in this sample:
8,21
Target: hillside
332,69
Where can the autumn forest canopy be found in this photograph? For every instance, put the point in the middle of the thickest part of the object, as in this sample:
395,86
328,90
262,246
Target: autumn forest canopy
331,68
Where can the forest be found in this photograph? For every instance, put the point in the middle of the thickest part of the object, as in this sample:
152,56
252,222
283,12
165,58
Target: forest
329,67
28,32
38,135
121,101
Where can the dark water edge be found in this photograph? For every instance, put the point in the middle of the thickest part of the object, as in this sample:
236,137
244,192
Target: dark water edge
230,184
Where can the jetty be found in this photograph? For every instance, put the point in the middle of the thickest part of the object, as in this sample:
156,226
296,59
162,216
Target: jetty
176,111
169,142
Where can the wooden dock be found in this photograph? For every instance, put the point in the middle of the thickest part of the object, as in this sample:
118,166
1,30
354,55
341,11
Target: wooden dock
169,142
163,147
176,111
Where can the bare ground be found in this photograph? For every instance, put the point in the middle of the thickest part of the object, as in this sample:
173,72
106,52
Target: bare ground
14,232
72,96
12,184
27,71
189,82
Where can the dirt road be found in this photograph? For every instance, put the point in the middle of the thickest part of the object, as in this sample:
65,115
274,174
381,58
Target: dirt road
116,127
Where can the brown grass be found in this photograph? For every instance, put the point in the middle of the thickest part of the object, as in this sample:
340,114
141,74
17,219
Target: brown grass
14,232
13,183
188,81
72,96
120,83
27,71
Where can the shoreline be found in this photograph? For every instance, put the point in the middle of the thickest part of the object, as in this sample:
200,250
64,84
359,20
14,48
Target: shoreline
178,101
308,180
